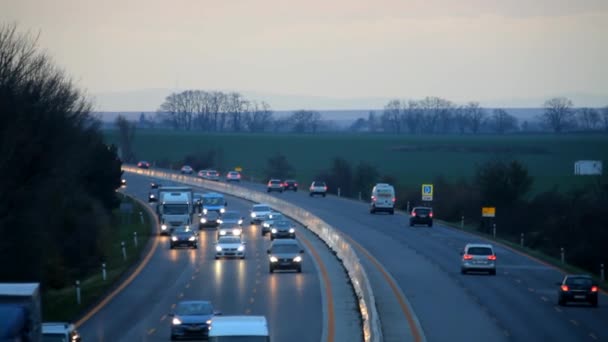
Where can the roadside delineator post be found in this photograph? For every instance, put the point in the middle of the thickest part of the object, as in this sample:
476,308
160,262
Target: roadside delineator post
408,207
359,196
462,222
104,274
338,192
124,251
135,238
602,277
494,230
521,239
141,217
563,255
78,292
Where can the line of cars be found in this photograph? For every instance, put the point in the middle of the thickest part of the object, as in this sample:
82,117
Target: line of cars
277,185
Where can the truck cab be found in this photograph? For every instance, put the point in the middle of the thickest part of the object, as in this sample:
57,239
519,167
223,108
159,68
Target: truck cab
59,332
175,208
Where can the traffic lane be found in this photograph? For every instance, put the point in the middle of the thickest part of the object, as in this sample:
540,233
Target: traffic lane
395,227
291,302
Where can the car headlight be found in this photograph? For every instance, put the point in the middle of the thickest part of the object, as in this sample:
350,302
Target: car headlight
222,232
291,230
204,210
151,196
274,231
176,321
266,225
222,210
192,238
270,216
220,221
297,259
240,221
252,215
273,259
203,220
208,322
174,238
163,226
236,232
218,248
241,248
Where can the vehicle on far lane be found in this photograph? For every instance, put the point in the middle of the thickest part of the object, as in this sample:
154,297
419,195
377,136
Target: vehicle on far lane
183,236
259,213
233,176
290,184
421,215
187,170
285,254
230,246
155,185
478,257
274,185
283,229
143,165
123,183
577,288
202,174
318,188
192,319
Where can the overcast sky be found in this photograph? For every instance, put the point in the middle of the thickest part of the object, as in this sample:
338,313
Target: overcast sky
484,50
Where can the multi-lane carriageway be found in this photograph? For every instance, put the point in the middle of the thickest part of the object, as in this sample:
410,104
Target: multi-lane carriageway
414,272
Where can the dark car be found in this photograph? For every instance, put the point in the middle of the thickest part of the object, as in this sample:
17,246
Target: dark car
290,184
283,229
421,215
285,254
152,197
270,220
155,185
123,182
577,288
210,219
192,319
184,236
143,165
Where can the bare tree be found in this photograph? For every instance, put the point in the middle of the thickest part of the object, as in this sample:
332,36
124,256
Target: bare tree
461,119
391,117
126,136
305,121
372,121
588,118
502,121
558,113
475,115
260,117
413,116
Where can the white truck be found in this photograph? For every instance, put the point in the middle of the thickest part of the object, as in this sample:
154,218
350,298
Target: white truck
20,312
382,199
175,207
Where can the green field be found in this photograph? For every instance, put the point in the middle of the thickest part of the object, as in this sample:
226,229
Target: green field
411,159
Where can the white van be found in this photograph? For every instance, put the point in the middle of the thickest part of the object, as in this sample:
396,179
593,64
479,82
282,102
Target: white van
383,198
239,328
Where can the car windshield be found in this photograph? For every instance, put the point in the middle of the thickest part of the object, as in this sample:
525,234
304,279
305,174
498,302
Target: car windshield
194,308
229,239
275,182
279,249
275,216
239,339
230,216
318,184
48,337
282,224
261,208
480,251
213,201
186,167
212,173
212,215
421,211
175,209
580,281
182,230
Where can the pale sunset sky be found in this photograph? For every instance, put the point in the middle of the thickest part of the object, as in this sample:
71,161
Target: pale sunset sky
484,50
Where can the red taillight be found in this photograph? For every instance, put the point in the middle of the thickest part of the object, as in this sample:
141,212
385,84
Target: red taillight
238,176
467,257
565,288
373,198
394,199
594,288
431,214
492,257
413,213
296,184
269,184
325,188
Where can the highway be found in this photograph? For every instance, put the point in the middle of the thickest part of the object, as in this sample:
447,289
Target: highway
518,304
291,302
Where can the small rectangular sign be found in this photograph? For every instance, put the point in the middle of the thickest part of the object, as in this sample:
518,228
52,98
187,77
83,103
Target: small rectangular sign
427,192
488,211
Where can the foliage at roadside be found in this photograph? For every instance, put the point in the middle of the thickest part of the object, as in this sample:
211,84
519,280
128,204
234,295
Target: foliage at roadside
58,177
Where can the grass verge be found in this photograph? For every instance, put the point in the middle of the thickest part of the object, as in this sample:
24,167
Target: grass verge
565,267
61,305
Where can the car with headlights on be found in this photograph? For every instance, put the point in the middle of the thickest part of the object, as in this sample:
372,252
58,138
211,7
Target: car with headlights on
318,188
478,257
186,170
143,164
229,229
259,213
274,185
285,254
233,176
123,183
577,288
213,201
210,219
192,319
59,332
231,216
270,220
183,236
283,229
230,246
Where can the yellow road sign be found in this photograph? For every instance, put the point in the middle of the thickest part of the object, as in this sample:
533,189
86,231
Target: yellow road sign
488,211
427,192
238,169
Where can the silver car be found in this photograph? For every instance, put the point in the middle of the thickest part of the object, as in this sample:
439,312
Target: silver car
230,246
478,257
270,220
259,213
213,175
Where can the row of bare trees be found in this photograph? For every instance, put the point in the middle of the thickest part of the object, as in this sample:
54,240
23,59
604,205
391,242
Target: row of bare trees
560,115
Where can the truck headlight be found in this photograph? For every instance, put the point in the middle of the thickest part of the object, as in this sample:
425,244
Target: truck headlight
297,259
274,230
176,321
241,248
222,232
192,238
174,238
236,232
203,220
218,248
240,221
222,210
291,230
163,226
266,225
252,215
273,259
220,221
204,210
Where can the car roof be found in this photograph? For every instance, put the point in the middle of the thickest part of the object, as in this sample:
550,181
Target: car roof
56,327
484,245
578,276
239,326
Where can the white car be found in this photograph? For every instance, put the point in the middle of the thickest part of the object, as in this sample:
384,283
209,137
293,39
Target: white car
187,170
274,185
230,246
478,257
229,229
318,188
259,213
233,176
213,175
202,174
59,331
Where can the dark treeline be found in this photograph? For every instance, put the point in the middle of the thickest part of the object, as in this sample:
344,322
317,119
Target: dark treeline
57,176
550,220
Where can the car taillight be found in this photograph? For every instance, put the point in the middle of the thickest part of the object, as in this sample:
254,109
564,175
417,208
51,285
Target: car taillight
430,214
467,257
594,288
238,176
373,198
296,184
394,199
564,288
492,257
325,187
413,213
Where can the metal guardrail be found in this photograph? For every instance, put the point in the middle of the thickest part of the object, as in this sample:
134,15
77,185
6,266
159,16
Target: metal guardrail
331,236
